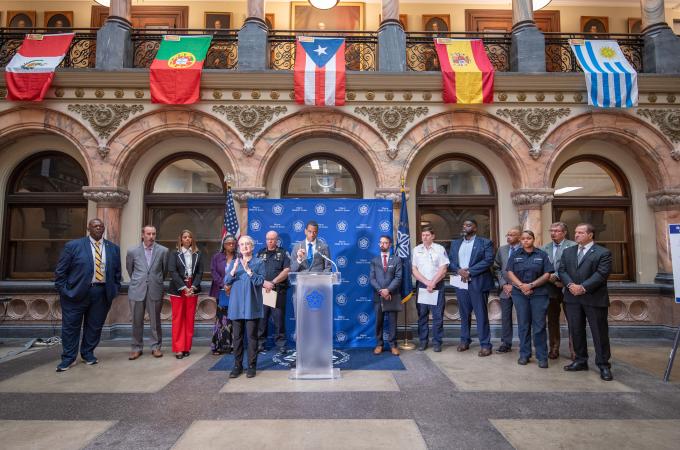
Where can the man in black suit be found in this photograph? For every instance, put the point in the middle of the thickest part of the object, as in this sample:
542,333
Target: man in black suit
386,273
584,270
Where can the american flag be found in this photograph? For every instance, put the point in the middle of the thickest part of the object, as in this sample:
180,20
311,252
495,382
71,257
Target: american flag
230,218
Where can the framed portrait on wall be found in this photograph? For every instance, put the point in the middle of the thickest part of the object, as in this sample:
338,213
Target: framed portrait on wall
58,19
218,20
269,20
21,19
403,20
438,22
634,25
347,16
594,24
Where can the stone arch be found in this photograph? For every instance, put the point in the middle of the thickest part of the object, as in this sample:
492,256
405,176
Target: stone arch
504,140
140,134
650,149
327,123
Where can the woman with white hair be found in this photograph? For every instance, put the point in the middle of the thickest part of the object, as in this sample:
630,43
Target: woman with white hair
245,275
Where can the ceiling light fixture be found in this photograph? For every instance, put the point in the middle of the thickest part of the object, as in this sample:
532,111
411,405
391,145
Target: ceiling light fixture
106,3
540,4
323,4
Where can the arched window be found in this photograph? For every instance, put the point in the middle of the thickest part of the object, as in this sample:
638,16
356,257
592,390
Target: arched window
591,189
45,209
324,175
454,188
185,191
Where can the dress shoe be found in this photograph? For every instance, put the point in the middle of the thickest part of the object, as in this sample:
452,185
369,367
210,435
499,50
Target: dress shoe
378,350
236,372
134,355
157,353
504,348
523,361
606,374
437,348
250,373
463,347
576,367
395,351
261,349
422,347
179,355
64,366
91,361
543,364
553,354
484,352
185,354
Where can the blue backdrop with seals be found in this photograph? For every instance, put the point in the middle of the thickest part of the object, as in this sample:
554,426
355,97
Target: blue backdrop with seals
351,228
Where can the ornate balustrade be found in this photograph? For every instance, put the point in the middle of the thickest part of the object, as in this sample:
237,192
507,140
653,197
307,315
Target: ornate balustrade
81,54
560,58
421,55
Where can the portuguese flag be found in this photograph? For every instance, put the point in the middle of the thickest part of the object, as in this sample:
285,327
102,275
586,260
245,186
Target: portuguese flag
466,71
176,71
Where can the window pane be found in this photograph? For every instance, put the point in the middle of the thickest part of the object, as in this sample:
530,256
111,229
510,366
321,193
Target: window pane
187,176
455,178
447,222
586,179
322,176
205,223
51,174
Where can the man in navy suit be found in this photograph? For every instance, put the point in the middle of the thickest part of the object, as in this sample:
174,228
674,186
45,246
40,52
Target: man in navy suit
88,279
471,258
386,272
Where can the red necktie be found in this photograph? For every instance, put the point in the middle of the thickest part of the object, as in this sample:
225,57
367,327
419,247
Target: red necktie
385,263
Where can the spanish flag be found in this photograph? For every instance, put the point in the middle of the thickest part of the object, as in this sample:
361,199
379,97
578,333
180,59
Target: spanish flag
466,71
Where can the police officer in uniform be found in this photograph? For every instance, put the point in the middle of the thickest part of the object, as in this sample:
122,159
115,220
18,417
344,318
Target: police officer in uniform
277,265
529,270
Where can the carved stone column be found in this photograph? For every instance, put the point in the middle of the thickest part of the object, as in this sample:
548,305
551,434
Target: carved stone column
666,206
252,39
114,45
527,46
529,203
110,202
242,195
391,39
661,52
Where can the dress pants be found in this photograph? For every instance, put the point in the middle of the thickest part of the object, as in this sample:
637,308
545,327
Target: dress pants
506,321
469,300
599,329
437,319
379,326
554,309
250,326
278,317
183,313
88,314
531,312
138,308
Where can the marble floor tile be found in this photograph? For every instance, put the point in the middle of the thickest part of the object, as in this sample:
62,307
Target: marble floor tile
651,359
52,434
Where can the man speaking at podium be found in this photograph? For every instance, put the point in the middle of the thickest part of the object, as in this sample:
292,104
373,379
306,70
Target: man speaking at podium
311,255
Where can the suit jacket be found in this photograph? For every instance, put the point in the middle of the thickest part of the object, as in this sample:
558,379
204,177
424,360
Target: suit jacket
177,268
318,263
390,280
592,273
554,291
481,261
500,268
75,269
146,281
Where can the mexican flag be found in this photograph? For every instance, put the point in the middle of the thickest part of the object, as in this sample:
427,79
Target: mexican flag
30,72
176,71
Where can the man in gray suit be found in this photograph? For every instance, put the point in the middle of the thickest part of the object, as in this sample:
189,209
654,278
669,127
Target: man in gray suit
554,249
386,270
500,264
307,254
147,265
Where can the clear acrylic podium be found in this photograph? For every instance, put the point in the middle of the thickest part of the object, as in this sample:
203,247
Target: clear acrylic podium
314,325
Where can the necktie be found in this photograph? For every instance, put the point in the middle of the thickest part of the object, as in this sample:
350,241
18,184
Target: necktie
581,251
556,249
512,249
385,263
310,254
98,272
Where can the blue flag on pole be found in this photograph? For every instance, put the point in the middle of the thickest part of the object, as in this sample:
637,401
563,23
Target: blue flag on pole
404,248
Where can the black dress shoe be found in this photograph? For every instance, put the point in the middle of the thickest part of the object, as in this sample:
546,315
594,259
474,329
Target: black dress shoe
250,373
504,348
185,354
422,347
543,364
179,355
606,374
236,372
576,367
437,348
523,361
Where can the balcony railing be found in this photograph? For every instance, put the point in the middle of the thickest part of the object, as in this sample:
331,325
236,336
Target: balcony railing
361,48
82,53
421,55
560,58
222,54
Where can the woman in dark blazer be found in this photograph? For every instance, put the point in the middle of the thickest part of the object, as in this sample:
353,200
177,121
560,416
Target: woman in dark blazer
185,266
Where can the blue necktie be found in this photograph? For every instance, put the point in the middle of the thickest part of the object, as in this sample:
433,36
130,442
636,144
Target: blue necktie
310,255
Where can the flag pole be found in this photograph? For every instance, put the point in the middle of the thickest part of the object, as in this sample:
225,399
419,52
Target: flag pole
403,229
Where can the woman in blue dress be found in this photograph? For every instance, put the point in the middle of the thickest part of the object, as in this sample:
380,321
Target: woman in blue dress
245,275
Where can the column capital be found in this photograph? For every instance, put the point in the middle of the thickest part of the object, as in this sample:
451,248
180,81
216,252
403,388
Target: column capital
243,194
532,198
664,199
393,194
106,196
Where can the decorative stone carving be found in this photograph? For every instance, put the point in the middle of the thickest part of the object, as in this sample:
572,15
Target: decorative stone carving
349,95
248,148
119,93
427,96
59,92
106,196
255,95
80,92
533,122
393,194
521,96
104,119
392,151
670,98
217,94
651,98
139,93
559,97
248,119
274,95
389,95
103,151
236,95
3,92
664,199
391,120
502,96
578,97
99,93
668,121
535,151
540,97
370,96
247,193
408,96
532,198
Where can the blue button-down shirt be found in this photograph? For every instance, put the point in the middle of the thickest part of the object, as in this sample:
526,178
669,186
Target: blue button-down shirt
465,252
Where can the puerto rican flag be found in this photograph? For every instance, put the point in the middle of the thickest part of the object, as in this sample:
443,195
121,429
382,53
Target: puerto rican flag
30,72
320,71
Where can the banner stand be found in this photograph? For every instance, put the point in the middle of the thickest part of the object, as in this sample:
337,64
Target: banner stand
674,244
669,367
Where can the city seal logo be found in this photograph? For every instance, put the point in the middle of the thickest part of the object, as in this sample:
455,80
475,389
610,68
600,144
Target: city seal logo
341,336
182,60
341,299
362,280
277,209
255,225
341,226
363,318
341,261
363,243
298,226
364,209
320,209
385,226
314,300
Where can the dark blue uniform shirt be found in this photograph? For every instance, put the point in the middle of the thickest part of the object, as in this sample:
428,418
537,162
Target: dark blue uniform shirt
274,263
530,266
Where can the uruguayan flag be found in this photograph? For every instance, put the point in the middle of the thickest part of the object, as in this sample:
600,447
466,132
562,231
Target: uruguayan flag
611,80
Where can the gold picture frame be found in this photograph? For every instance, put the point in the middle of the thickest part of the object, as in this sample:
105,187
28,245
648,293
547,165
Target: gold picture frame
346,16
217,20
21,19
634,25
594,24
58,19
269,20
436,22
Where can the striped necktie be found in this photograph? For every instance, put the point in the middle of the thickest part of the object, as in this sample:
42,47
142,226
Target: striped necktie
98,273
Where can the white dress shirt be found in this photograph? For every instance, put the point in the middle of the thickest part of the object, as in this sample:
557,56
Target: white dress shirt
429,260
